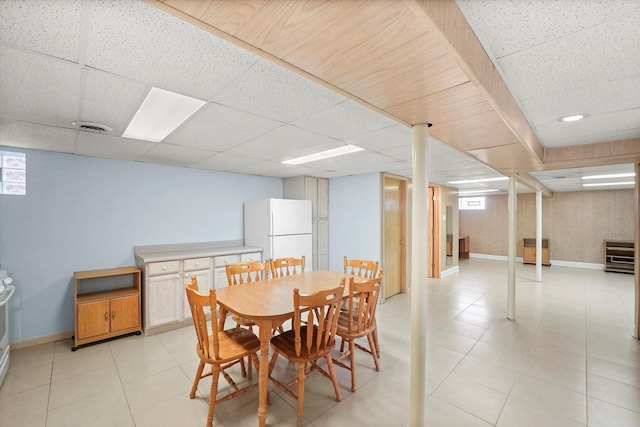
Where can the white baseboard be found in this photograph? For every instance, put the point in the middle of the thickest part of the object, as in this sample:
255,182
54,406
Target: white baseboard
574,264
449,271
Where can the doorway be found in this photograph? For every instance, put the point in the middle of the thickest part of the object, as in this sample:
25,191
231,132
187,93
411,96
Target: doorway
433,233
394,200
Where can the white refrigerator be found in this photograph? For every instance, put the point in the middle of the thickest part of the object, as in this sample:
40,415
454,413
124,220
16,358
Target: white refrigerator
281,227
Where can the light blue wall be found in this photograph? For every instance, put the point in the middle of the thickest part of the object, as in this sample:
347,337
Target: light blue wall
355,219
83,213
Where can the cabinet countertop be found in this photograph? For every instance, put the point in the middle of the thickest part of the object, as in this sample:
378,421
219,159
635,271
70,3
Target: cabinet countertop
176,253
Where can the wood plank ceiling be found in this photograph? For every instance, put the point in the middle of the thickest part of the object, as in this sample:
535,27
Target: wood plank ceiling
417,61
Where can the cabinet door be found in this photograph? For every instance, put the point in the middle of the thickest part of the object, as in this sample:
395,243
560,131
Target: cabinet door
322,198
220,278
164,299
311,193
93,319
125,313
322,246
205,282
529,255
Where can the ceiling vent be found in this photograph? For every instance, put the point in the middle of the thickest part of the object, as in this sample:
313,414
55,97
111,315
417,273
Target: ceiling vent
92,127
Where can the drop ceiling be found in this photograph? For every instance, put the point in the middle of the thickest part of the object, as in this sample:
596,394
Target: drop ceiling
284,79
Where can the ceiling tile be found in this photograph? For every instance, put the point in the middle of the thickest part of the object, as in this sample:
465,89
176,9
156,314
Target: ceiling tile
363,159
283,143
556,133
133,39
14,133
37,88
216,127
343,120
597,54
111,147
267,168
50,27
111,100
608,96
270,90
524,24
390,137
173,155
223,162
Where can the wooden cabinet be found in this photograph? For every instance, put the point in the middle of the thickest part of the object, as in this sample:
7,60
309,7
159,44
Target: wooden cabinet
619,256
103,312
316,190
463,247
529,251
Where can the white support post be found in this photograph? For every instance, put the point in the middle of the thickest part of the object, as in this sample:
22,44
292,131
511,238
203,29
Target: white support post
419,215
513,204
539,236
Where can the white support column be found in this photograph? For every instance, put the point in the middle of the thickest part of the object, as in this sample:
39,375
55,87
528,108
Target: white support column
419,215
539,236
636,329
513,204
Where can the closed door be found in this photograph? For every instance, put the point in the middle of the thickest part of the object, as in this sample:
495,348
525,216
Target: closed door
93,319
394,200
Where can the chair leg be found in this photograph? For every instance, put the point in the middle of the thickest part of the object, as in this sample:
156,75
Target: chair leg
374,353
197,380
375,338
301,375
332,373
352,363
214,392
249,369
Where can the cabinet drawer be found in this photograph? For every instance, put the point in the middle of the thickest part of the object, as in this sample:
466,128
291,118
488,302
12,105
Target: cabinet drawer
220,260
156,268
252,256
197,264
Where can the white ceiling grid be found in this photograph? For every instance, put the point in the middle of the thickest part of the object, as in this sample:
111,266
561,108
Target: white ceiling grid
68,60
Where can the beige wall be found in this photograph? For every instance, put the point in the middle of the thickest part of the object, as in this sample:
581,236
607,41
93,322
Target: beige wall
576,223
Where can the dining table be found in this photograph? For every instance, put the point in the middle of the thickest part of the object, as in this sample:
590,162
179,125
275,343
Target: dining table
269,303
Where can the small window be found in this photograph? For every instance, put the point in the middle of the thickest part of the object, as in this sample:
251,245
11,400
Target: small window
13,173
469,203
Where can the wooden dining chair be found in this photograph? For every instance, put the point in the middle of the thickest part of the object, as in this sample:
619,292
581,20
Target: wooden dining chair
312,337
219,348
360,267
281,267
359,321
246,272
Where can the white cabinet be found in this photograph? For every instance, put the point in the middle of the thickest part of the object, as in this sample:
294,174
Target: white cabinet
316,190
165,304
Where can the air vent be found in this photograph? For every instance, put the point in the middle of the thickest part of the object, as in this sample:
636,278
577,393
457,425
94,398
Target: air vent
92,127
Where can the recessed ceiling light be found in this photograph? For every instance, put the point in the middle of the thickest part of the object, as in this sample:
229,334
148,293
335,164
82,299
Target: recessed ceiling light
473,181
160,114
604,184
573,118
613,175
345,149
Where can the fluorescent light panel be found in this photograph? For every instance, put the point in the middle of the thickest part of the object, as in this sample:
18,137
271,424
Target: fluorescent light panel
477,191
613,175
345,149
160,114
474,181
604,184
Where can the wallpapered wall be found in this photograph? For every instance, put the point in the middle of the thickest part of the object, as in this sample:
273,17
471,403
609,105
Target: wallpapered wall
576,223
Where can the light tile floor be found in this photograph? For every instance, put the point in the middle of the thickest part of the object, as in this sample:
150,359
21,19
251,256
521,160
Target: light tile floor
568,360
